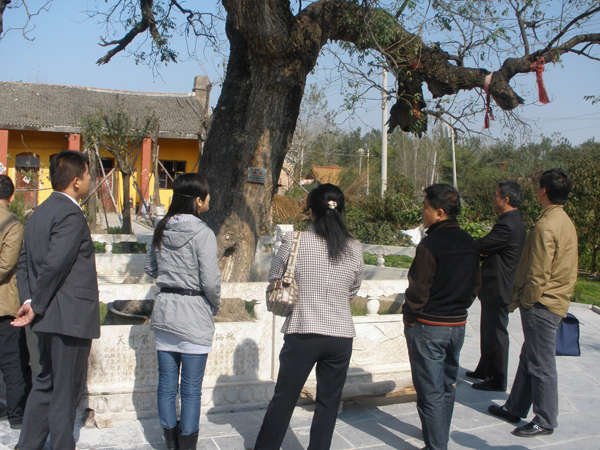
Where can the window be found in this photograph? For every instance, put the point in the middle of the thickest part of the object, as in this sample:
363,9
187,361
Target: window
174,168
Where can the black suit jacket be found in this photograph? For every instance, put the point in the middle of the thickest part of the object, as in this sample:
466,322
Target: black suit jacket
503,247
57,270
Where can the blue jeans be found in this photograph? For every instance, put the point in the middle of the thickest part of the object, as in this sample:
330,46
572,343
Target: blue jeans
434,352
192,373
536,381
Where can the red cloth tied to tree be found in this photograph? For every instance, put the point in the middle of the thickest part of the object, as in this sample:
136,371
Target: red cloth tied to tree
489,115
416,111
538,68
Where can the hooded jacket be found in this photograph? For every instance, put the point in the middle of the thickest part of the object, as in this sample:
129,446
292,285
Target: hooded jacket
187,259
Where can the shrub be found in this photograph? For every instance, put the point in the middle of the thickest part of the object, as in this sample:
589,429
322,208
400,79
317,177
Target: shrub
19,209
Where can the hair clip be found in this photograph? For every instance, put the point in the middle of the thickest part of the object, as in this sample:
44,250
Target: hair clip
332,204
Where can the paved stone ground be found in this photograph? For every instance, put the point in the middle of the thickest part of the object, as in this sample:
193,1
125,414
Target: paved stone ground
397,426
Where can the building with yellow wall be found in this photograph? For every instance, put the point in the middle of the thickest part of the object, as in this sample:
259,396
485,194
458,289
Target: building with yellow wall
38,121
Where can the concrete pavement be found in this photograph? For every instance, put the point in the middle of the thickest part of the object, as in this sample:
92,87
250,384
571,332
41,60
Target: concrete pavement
363,425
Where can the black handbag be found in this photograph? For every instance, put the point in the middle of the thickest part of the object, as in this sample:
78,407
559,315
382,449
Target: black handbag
567,337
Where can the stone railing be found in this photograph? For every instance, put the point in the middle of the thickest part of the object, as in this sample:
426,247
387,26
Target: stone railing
111,239
243,366
129,268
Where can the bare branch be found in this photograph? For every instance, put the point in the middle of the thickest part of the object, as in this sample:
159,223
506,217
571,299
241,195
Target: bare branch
567,27
519,13
25,30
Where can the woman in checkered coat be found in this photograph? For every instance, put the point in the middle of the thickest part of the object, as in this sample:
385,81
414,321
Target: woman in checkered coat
329,271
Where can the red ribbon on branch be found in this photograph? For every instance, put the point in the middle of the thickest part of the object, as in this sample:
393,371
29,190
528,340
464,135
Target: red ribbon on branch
489,115
538,68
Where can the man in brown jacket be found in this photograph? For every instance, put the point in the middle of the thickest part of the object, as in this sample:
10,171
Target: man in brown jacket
14,355
544,283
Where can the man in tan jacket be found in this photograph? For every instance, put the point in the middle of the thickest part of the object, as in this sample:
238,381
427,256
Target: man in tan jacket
14,355
544,283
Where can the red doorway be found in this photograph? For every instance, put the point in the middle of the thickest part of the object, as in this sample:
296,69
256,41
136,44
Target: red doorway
27,168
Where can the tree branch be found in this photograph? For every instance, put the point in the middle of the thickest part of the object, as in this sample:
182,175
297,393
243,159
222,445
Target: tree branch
148,22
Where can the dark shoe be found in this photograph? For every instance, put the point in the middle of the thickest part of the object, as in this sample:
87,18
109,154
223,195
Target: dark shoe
473,375
499,411
15,426
532,430
188,441
171,436
487,386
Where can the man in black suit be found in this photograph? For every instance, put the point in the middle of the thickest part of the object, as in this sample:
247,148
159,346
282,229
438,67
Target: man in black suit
501,250
58,288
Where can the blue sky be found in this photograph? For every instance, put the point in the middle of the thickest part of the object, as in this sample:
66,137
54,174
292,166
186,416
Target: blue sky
66,48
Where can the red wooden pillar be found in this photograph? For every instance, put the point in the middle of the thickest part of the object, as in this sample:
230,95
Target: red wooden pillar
3,151
146,167
74,142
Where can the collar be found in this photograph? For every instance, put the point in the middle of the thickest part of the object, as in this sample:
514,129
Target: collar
69,197
443,224
548,209
512,212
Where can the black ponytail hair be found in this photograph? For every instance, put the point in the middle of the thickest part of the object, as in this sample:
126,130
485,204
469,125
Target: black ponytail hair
327,204
187,188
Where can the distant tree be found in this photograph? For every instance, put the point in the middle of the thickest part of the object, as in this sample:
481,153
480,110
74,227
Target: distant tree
584,205
122,136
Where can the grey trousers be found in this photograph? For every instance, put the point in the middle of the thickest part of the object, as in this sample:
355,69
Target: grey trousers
536,381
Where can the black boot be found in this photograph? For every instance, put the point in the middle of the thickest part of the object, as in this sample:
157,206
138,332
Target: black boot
171,437
188,442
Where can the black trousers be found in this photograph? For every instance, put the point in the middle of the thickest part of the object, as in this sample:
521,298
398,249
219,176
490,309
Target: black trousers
298,356
52,404
14,364
493,364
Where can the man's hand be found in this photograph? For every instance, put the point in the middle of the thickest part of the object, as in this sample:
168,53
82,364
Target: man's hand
24,317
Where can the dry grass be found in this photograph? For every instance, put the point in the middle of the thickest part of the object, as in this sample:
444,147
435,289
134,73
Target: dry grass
288,210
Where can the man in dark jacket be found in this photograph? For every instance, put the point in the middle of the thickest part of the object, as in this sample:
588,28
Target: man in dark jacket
443,281
501,250
58,288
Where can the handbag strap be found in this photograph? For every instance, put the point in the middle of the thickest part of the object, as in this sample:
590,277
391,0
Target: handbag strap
288,276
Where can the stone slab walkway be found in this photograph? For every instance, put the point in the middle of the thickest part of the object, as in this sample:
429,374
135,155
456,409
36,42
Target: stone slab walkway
362,425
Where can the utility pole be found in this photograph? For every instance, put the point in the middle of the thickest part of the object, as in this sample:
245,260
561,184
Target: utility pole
433,170
368,151
384,135
453,160
361,152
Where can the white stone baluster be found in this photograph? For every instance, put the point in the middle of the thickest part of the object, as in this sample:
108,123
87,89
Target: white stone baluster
372,306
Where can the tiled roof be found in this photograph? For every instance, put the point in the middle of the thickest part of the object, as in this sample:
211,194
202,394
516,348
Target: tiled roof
60,108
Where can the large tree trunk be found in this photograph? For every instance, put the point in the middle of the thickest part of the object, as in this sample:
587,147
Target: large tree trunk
252,126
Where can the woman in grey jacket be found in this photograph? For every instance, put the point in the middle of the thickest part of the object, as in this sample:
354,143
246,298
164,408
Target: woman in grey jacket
329,270
183,259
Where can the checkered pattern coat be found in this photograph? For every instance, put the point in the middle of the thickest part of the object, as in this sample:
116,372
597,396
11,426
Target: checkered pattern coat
325,287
